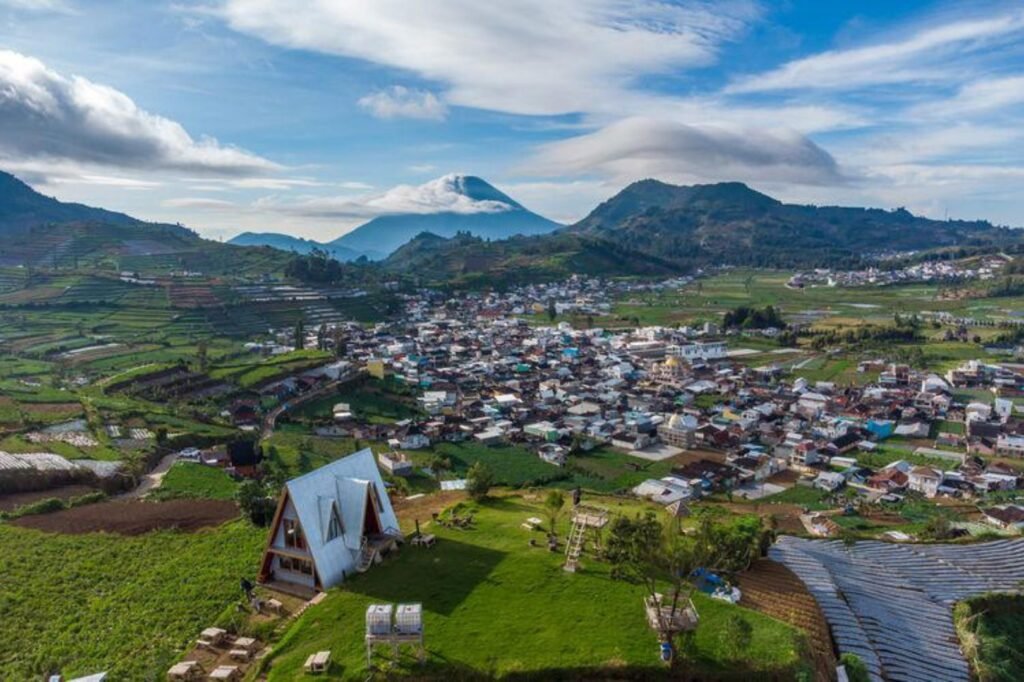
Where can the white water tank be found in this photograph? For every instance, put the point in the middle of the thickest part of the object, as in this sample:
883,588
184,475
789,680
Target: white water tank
378,619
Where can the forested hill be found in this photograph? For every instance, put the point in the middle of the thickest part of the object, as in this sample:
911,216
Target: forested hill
730,223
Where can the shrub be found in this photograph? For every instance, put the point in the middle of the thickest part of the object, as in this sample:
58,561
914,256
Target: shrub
479,480
44,506
88,498
856,671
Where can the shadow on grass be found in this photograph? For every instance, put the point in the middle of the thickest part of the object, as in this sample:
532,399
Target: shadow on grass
441,577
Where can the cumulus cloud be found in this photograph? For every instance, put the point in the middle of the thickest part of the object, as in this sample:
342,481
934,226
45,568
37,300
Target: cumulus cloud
47,116
924,55
642,147
399,101
526,57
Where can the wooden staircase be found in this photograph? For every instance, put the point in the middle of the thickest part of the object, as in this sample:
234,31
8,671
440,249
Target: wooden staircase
366,556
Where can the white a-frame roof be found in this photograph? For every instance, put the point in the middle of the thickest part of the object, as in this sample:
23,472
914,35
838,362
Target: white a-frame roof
341,489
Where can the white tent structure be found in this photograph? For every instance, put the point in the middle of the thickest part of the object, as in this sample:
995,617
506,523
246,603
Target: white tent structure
330,523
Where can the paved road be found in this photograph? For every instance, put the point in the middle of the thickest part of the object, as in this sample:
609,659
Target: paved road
152,480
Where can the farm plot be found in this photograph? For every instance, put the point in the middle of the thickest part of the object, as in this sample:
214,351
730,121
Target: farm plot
133,518
129,605
773,589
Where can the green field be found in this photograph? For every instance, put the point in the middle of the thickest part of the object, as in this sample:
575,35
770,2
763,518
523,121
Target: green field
496,607
129,605
371,402
191,479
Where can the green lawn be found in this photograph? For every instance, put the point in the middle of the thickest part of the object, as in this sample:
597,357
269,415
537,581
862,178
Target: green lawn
85,603
495,607
191,479
512,465
814,498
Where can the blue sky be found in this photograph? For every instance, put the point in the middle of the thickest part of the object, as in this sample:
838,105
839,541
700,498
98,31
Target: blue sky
232,115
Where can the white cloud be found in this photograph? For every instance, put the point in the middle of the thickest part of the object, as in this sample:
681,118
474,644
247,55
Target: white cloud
929,55
983,95
38,5
526,57
443,195
399,101
641,147
203,203
47,117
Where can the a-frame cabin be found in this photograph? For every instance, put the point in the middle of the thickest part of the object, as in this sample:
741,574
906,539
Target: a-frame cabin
330,523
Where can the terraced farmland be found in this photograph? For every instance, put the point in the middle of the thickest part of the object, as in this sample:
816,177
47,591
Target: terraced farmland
891,604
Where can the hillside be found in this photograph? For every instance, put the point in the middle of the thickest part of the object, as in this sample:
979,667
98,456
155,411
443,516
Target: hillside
729,223
491,214
284,242
21,207
467,260
39,231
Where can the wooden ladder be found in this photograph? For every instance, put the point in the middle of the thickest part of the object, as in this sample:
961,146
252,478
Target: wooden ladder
574,546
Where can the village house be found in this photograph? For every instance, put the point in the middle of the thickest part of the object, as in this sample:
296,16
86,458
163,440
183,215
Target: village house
924,480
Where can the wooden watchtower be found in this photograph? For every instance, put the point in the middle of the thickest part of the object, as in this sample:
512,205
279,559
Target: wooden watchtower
586,520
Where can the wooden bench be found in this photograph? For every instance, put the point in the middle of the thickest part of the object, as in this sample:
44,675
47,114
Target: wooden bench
226,673
213,636
275,606
185,671
318,662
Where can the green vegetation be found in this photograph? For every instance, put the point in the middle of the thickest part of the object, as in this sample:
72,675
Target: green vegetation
373,401
495,606
84,603
191,479
806,496
991,629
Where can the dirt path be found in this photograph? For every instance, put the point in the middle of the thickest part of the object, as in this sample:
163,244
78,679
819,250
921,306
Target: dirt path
152,480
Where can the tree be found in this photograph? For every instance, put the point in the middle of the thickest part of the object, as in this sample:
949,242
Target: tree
300,335
479,480
938,527
439,465
650,552
552,310
202,355
254,501
554,503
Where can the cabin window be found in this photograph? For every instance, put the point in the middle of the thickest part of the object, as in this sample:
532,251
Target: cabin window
293,537
334,528
295,565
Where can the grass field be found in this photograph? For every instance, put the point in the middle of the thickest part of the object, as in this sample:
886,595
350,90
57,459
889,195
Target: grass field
991,627
496,607
80,604
370,401
191,479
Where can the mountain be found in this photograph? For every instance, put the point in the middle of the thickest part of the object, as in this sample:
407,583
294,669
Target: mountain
284,242
478,208
37,230
471,261
730,223
21,207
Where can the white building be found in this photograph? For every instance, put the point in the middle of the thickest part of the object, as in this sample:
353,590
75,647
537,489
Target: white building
700,350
